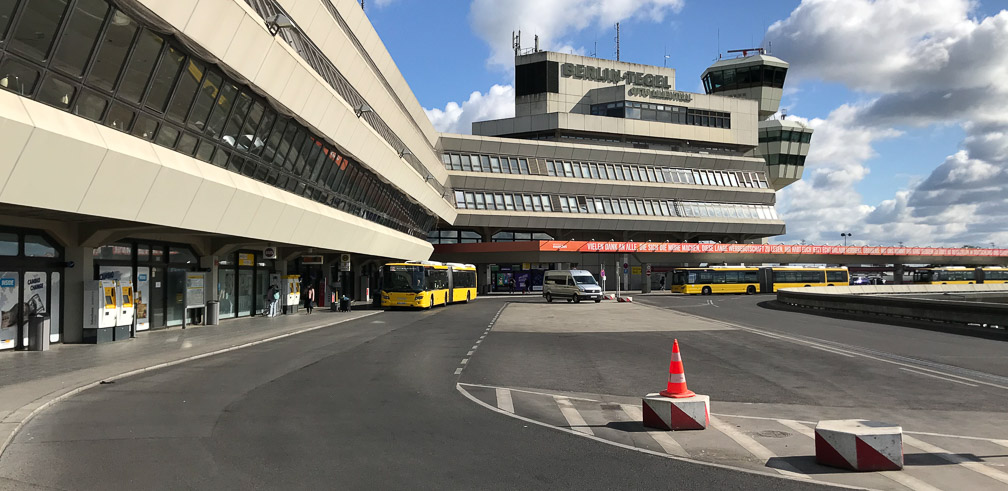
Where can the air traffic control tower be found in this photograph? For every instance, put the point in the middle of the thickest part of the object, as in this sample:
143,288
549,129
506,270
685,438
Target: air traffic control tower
760,77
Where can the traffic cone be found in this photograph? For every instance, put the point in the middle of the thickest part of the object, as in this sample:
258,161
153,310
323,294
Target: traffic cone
677,377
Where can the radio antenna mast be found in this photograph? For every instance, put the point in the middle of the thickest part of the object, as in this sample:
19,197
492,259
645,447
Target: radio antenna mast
617,42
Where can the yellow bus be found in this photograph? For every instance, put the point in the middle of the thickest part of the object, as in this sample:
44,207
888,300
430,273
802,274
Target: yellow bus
749,280
777,277
426,284
706,281
960,275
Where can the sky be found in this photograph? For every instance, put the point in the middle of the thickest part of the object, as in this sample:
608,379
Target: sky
908,99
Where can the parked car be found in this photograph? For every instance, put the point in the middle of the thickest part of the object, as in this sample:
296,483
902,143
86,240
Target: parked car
572,284
860,280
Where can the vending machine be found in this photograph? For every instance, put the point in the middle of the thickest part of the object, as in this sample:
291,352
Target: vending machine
126,310
292,293
100,311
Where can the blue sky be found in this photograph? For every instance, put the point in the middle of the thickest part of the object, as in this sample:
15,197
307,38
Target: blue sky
883,162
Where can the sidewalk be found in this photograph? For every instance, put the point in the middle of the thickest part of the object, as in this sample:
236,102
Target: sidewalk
30,381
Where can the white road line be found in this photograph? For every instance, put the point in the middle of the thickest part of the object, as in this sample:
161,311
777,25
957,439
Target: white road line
670,446
573,417
937,377
458,370
900,477
465,360
504,400
474,346
529,392
956,459
755,448
480,341
831,350
469,353
1003,443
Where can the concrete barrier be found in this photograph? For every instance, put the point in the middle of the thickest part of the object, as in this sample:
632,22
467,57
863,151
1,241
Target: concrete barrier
859,445
668,413
892,301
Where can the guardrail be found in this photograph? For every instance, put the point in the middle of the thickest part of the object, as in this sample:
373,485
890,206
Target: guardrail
892,301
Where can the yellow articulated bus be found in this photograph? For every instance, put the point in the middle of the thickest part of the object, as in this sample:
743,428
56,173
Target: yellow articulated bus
960,275
706,281
426,284
750,280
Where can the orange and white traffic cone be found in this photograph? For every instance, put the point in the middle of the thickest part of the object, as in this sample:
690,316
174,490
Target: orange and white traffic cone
677,377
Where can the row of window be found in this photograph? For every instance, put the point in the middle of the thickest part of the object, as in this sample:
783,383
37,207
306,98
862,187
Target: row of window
785,159
91,59
468,237
612,172
775,135
744,77
486,163
662,113
312,55
472,200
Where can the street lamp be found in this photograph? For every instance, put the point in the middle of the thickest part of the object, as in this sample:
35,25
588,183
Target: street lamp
845,235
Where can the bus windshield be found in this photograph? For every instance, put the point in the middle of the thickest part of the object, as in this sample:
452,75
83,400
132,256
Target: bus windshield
585,279
403,279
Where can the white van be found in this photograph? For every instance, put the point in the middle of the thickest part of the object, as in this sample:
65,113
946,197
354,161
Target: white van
572,284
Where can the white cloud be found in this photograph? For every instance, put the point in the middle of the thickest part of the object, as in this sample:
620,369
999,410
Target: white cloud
925,63
494,20
496,103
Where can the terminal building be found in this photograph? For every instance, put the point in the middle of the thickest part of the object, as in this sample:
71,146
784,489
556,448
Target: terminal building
602,150
275,141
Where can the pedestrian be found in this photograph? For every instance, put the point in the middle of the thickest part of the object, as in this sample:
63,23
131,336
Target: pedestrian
274,307
661,284
267,310
528,284
309,298
511,285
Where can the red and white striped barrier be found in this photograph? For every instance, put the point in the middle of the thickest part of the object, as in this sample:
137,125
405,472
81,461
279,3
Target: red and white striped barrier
624,299
859,445
667,413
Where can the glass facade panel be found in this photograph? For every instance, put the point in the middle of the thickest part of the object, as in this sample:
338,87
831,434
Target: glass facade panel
185,90
36,28
141,64
112,51
79,36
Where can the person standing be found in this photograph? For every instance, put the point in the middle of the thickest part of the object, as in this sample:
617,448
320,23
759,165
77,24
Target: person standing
661,284
310,298
268,302
511,285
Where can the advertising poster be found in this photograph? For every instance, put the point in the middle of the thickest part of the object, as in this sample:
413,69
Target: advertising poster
9,309
35,300
142,294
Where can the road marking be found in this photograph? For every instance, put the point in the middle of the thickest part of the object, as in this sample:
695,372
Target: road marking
504,400
1003,443
755,448
469,353
663,439
530,392
480,341
475,346
458,370
855,353
956,459
937,377
899,477
465,360
573,417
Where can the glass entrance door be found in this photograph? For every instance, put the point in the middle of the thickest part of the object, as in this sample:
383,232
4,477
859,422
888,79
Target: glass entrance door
175,307
10,308
244,292
156,309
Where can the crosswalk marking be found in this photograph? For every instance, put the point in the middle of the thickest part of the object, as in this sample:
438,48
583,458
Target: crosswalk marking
899,477
573,417
755,448
668,444
956,459
504,400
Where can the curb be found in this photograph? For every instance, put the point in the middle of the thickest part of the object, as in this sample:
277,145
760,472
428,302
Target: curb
82,388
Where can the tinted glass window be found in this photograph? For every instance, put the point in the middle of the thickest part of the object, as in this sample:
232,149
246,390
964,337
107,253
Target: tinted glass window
167,136
120,117
204,101
141,64
112,51
184,91
79,36
18,77
164,77
218,115
36,28
91,106
56,92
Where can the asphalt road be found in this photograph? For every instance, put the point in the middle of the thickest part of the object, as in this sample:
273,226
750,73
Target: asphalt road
367,404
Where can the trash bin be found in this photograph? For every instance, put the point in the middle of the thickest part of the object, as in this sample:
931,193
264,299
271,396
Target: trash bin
212,316
38,333
345,304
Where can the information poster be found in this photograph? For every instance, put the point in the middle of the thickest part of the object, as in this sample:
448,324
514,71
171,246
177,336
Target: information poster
9,309
246,259
35,300
141,301
194,296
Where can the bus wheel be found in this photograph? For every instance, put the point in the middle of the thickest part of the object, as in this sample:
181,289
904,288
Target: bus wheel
577,299
549,298
750,290
706,290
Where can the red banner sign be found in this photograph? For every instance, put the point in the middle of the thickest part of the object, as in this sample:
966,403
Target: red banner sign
676,247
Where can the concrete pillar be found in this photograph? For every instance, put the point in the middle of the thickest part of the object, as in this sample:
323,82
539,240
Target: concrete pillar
73,291
210,263
898,274
645,279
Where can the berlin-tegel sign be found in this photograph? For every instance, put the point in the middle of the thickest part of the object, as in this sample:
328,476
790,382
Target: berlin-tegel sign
676,247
